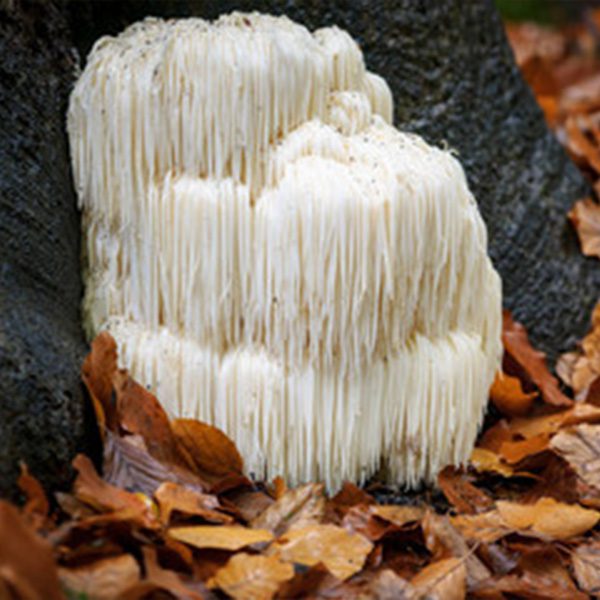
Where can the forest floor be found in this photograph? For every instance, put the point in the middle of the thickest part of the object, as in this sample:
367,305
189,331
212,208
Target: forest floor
174,516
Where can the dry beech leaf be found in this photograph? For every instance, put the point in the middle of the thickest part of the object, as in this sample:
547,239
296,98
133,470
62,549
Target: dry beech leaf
508,396
279,487
580,447
443,580
350,495
97,374
397,515
249,504
464,496
221,537
174,497
36,507
585,216
548,517
102,496
22,554
140,413
528,585
343,553
296,508
486,461
104,579
531,361
214,455
586,564
387,585
314,582
360,519
252,577
487,527
514,452
128,465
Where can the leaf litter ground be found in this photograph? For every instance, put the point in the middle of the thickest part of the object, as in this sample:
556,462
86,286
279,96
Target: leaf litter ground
174,516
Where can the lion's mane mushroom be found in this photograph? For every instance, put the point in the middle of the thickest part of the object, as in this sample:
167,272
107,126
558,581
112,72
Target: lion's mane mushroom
273,257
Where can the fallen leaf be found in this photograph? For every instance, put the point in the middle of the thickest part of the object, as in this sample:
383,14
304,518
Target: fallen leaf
487,527
529,585
585,216
249,504
314,582
586,564
514,452
300,507
532,362
443,580
96,492
443,539
343,553
397,515
251,577
223,537
214,455
508,396
127,464
486,461
545,562
360,519
464,496
387,585
175,497
36,507
279,487
580,447
350,495
102,580
97,374
27,567
548,517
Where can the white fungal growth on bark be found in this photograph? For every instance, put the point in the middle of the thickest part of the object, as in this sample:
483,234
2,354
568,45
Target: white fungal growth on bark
273,257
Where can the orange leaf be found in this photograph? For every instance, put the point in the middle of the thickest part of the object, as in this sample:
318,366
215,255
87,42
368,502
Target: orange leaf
461,494
508,396
585,216
213,454
175,497
93,490
486,527
223,537
343,553
486,461
515,452
548,517
249,577
101,580
37,507
27,566
531,361
442,579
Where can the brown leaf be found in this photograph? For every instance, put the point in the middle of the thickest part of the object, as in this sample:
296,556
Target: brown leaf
464,496
531,586
92,490
213,454
386,585
585,216
442,580
508,396
443,539
532,362
174,497
140,413
350,495
249,577
586,564
296,508
580,447
375,521
102,580
582,150
314,582
249,504
486,461
487,527
397,515
27,567
97,374
128,465
223,537
515,451
343,553
36,507
548,517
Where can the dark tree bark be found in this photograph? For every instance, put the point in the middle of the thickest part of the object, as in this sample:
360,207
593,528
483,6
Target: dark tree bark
41,344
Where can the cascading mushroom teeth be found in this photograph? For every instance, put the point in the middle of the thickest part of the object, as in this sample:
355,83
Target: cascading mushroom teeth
274,257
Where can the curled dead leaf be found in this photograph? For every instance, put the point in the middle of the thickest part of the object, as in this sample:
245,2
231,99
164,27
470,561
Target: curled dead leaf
462,494
342,553
585,216
174,497
104,579
508,396
548,517
443,580
222,537
251,577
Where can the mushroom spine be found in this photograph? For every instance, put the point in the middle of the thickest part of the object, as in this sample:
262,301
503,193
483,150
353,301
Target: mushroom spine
274,257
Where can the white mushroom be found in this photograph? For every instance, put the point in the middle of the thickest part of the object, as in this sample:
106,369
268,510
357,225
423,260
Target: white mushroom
275,258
